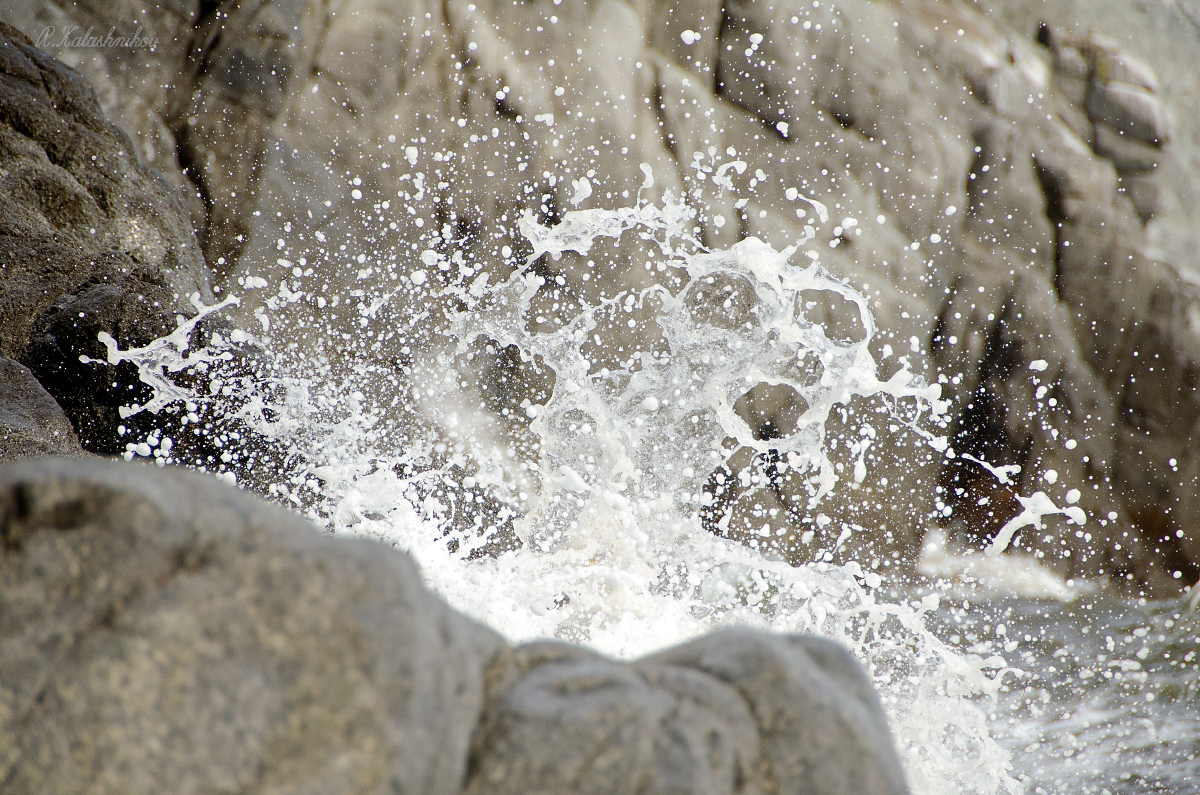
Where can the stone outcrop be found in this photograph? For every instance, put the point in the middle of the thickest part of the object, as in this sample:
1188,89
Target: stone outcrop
92,242
1022,180
160,631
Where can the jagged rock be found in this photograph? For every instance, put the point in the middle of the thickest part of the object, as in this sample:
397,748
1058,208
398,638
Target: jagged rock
31,423
1130,110
91,242
324,124
87,231
160,631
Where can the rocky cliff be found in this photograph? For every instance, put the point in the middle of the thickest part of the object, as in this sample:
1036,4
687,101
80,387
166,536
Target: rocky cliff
1019,197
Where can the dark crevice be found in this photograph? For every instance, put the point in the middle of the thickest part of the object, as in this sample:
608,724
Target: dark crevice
506,111
188,161
660,112
974,174
1052,190
981,430
743,225
722,23
206,34
1044,36
938,340
844,118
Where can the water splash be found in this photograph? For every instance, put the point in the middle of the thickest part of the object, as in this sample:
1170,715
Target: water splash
607,505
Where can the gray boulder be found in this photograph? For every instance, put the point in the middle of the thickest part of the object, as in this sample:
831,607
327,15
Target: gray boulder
160,632
163,632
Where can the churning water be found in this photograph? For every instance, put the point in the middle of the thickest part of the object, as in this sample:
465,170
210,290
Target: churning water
590,499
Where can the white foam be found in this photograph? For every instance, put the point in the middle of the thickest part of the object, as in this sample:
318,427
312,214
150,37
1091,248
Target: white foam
613,553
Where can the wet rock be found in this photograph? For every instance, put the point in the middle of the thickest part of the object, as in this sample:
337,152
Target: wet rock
91,239
31,423
94,243
737,711
162,631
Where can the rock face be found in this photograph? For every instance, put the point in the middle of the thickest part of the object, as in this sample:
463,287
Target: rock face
91,242
163,632
1007,186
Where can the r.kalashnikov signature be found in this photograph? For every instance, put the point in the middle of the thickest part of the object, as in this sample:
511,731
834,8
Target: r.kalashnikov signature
72,36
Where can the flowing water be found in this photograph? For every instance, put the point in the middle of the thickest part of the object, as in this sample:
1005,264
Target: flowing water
591,510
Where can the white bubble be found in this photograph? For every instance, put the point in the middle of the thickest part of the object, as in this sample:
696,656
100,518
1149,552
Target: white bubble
689,37
418,277
951,210
1039,365
1073,496
1050,476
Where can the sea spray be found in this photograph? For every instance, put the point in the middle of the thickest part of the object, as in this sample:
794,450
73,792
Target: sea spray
605,510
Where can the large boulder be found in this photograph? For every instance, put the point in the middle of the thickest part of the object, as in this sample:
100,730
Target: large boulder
1017,193
160,631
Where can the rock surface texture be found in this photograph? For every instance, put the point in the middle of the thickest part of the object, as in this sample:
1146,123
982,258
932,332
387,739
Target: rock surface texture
1010,188
162,632
92,242
31,422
